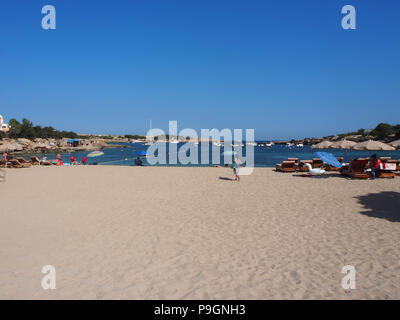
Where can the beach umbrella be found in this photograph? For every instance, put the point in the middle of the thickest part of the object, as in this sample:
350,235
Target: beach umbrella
372,145
395,144
141,153
329,158
95,154
229,153
342,144
322,145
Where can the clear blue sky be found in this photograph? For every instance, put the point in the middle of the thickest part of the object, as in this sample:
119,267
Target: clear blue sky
285,68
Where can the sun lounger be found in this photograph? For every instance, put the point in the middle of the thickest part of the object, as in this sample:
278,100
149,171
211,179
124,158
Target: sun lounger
36,162
357,169
16,164
302,167
286,166
23,161
386,170
397,162
332,168
317,163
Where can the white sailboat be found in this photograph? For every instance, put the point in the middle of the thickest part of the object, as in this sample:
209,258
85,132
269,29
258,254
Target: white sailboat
149,140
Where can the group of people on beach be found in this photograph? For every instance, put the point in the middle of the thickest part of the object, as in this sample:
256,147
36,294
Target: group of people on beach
73,161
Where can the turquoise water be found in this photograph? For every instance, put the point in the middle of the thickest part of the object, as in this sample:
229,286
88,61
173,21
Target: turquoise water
263,157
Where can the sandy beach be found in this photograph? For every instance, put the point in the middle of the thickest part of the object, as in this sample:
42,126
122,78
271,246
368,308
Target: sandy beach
190,233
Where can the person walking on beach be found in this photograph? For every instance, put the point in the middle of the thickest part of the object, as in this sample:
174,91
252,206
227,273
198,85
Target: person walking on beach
236,166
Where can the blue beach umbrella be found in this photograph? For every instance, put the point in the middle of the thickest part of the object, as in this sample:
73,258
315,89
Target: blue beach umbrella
328,158
141,153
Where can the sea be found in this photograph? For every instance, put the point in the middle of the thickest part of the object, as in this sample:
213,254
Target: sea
263,156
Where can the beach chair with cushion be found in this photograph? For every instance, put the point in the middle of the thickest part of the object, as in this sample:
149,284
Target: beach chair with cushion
16,164
302,167
23,161
36,162
397,162
332,168
286,166
317,163
357,169
386,170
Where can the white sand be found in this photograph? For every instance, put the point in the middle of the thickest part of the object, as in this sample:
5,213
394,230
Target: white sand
183,233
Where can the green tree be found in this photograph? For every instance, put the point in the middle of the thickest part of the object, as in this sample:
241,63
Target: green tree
15,129
361,132
27,130
382,130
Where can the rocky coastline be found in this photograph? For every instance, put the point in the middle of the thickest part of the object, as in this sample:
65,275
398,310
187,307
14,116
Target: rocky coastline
39,145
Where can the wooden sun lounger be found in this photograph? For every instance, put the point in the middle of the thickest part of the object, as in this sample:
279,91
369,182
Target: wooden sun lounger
22,160
332,168
385,174
388,173
16,164
36,162
386,170
286,166
397,162
301,166
317,163
357,169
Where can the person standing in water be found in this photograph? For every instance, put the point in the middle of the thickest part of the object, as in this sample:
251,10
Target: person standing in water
236,166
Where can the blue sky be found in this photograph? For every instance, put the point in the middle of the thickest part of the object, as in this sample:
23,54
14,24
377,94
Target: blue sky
285,68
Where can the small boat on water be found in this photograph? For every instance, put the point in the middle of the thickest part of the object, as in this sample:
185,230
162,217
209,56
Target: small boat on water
299,145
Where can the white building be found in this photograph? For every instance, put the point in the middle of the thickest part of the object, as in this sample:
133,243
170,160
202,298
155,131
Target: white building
4,127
